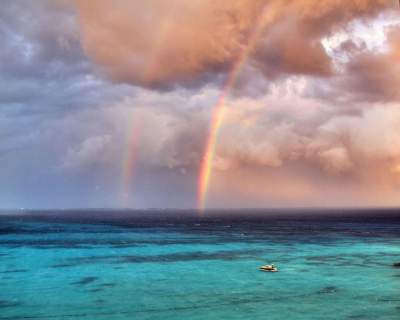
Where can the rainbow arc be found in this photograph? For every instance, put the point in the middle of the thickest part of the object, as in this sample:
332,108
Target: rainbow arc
220,107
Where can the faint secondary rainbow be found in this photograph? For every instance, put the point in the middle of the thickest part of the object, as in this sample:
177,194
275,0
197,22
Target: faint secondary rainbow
219,108
135,122
129,164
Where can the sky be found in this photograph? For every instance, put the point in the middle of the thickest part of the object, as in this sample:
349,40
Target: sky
199,104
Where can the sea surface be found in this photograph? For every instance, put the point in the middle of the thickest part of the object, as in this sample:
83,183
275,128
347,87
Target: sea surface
108,265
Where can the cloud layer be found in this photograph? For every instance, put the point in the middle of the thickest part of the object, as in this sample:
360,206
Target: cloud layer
312,119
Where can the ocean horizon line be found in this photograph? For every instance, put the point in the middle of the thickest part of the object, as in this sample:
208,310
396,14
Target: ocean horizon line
298,213
289,208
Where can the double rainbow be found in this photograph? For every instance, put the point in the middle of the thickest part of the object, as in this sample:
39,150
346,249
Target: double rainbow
217,114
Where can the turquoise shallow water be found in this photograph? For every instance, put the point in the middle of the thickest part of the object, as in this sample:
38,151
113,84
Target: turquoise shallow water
199,269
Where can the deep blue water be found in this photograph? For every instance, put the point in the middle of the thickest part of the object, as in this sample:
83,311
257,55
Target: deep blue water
82,265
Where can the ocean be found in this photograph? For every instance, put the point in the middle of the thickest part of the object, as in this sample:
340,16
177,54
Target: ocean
175,265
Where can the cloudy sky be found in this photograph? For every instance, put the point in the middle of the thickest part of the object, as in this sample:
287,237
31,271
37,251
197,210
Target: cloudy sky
180,104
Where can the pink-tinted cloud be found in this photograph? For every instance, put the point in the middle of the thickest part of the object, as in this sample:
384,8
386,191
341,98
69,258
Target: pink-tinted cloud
160,43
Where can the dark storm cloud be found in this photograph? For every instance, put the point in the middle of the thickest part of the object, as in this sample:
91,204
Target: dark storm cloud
42,64
39,42
28,66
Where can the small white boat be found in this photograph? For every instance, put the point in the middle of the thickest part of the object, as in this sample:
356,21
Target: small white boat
269,268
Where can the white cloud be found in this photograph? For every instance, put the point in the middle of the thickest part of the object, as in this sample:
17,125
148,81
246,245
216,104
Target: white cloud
91,151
